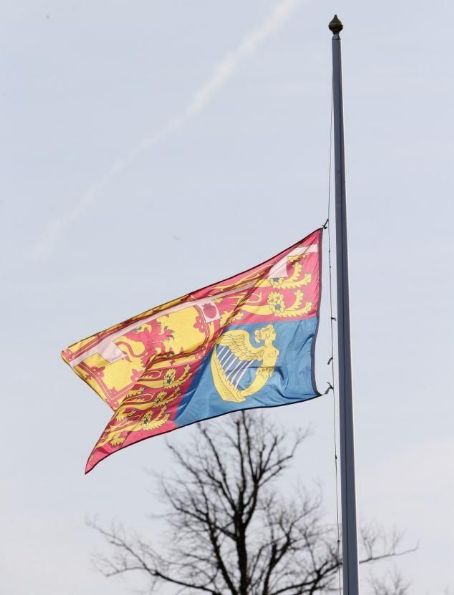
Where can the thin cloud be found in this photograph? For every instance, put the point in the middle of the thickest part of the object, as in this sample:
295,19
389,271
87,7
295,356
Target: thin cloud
222,73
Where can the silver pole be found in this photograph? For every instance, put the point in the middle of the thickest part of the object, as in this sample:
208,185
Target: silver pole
347,454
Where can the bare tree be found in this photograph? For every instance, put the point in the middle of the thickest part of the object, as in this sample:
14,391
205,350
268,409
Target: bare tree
233,531
391,584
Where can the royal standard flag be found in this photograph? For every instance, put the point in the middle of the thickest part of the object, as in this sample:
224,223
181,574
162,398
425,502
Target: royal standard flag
242,343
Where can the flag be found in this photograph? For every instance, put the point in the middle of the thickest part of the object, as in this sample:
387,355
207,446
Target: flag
242,343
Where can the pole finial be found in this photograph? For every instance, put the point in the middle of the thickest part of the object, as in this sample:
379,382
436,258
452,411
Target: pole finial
336,26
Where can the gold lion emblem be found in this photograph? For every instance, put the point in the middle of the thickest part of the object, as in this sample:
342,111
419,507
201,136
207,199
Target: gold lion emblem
234,354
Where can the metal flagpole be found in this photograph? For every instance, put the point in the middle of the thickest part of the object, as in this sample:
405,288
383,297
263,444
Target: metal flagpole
347,454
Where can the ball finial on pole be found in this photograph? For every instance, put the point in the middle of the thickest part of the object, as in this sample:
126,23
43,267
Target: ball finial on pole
336,25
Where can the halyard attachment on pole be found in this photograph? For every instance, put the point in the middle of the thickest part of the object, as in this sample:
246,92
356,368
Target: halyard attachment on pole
347,454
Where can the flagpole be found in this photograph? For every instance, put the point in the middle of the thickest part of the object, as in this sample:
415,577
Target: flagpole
347,454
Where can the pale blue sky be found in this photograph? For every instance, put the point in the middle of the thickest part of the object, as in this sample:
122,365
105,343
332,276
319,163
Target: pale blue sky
97,225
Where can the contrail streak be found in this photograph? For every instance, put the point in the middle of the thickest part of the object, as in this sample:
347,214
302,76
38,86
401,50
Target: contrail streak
222,73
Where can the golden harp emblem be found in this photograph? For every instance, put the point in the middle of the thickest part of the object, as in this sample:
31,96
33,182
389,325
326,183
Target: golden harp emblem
233,355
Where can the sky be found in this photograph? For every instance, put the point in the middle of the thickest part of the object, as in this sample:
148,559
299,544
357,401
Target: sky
150,148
